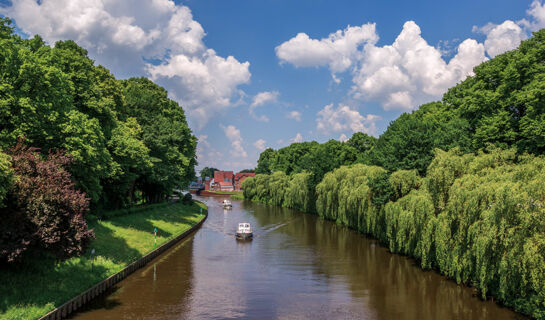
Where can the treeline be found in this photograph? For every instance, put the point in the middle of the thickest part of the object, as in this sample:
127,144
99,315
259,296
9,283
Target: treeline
475,213
70,129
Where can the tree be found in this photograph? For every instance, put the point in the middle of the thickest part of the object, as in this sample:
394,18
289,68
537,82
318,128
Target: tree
208,172
363,143
6,176
165,133
504,102
409,141
266,161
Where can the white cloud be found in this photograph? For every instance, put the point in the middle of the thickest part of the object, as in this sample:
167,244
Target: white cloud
537,12
122,34
410,71
501,38
343,138
337,51
260,144
344,118
203,84
261,99
298,138
264,97
401,76
233,134
295,115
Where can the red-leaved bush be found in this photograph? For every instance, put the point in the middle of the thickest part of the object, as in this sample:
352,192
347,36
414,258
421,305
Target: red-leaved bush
44,210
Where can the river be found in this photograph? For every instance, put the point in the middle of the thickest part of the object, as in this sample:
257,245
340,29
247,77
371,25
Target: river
298,266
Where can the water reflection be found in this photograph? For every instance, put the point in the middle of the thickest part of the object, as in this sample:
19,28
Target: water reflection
297,267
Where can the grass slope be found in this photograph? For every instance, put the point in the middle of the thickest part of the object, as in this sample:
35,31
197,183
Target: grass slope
31,290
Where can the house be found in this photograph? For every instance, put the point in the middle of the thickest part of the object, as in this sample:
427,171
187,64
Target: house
241,176
223,180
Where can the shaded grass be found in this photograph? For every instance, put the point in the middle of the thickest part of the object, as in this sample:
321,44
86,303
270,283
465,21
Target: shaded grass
40,284
225,192
237,196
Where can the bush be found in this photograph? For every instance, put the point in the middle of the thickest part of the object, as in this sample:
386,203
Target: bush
44,210
187,199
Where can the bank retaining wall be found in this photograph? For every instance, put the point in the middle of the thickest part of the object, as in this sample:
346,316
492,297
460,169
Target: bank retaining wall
77,302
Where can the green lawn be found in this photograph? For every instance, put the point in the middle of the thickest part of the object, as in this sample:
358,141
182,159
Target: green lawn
225,192
237,196
33,289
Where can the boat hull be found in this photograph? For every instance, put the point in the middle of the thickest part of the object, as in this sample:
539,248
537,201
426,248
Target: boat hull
244,236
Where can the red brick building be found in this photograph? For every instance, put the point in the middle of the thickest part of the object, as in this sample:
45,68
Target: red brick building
224,180
239,177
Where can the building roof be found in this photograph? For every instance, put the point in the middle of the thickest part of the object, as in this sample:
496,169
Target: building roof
222,175
240,175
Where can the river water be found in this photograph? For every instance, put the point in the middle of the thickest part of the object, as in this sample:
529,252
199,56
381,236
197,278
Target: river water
297,267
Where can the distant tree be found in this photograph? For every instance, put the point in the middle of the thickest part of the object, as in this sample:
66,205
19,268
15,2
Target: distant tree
266,161
409,142
44,210
208,172
362,142
247,171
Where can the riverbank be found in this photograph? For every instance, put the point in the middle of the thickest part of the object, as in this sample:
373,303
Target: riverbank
220,193
33,289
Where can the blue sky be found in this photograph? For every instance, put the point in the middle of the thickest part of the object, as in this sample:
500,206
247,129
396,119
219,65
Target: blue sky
255,74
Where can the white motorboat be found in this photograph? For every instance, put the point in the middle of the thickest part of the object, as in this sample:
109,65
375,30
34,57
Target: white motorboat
227,204
244,231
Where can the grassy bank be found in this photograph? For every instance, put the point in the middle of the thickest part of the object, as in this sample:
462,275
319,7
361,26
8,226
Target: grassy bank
237,196
225,192
31,290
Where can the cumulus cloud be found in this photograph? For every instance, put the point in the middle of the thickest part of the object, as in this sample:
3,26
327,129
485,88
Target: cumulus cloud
295,115
233,134
501,38
261,99
343,138
408,72
260,144
338,51
123,35
537,14
344,118
298,138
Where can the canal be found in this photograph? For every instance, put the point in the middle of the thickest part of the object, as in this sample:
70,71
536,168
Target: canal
297,267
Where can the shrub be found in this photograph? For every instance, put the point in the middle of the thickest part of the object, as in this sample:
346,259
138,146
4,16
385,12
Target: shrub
187,199
44,209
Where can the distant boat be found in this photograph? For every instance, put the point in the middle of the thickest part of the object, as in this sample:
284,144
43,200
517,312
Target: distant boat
244,231
227,204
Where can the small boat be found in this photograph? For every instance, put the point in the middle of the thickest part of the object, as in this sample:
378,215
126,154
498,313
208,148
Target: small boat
244,231
227,204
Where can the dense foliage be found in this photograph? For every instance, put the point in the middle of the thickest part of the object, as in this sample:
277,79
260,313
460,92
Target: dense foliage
315,158
128,141
208,172
90,140
43,209
475,213
6,176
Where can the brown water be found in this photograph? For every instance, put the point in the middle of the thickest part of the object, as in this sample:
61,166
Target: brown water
297,267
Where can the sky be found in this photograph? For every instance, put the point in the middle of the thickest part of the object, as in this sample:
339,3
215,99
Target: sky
257,74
